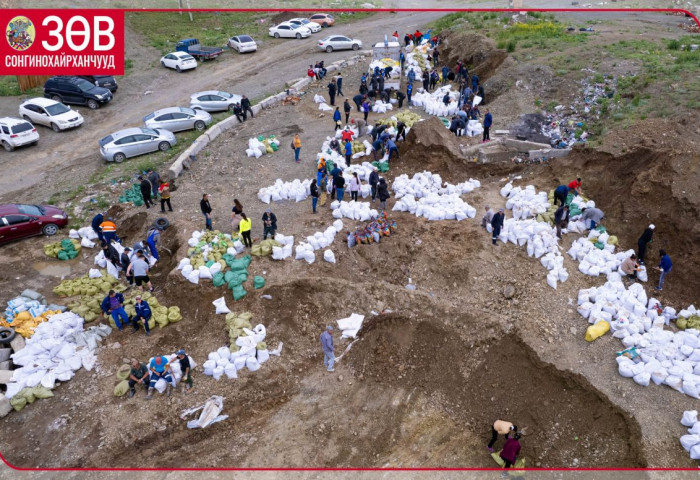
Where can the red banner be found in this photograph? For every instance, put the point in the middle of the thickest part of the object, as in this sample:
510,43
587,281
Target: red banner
62,42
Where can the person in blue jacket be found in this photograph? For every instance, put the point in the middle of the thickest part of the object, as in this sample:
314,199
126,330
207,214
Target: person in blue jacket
153,238
336,118
475,82
143,312
409,92
665,266
113,304
348,152
488,121
96,222
560,194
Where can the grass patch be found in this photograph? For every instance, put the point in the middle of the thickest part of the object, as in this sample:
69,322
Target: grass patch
9,86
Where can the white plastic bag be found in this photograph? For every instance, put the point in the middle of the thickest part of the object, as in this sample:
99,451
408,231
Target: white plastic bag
193,277
329,256
94,273
689,418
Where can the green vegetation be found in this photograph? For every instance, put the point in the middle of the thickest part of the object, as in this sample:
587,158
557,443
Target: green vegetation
9,86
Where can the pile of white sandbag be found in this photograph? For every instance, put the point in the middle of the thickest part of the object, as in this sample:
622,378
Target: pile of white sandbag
425,183
86,236
691,442
363,172
296,190
285,249
206,250
381,107
474,128
324,107
412,62
317,241
425,195
57,349
525,202
353,210
255,148
593,261
433,103
319,99
251,355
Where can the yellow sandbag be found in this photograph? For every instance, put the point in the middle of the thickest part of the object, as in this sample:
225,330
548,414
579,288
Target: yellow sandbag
18,403
612,240
123,372
598,330
261,346
174,314
161,319
22,316
41,392
121,388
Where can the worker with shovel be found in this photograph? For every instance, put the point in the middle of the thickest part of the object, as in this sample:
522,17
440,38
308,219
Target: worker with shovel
328,348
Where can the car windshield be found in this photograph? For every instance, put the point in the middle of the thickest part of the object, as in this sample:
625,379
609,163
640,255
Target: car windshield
188,111
245,39
304,21
149,131
57,109
84,85
326,39
22,127
35,210
224,94
106,140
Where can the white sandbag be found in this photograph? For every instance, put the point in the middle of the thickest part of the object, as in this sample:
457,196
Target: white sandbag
319,99
204,272
689,418
112,270
695,429
642,379
215,268
263,356
218,371
95,273
691,389
252,364
324,107
642,275
161,385
552,280
695,452
193,277
689,441
239,362
309,256
220,304
230,371
329,256
625,370
183,262
87,243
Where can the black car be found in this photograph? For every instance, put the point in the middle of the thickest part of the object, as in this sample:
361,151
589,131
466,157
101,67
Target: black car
104,81
76,90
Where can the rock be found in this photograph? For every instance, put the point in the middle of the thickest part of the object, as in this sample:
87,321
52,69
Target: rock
509,291
340,378
573,330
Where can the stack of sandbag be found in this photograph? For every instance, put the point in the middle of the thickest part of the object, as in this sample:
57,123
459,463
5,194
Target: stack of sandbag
58,348
264,247
66,249
235,277
86,235
417,60
284,248
408,118
433,103
595,261
436,207
255,148
474,128
208,255
353,210
248,348
296,190
525,202
363,171
381,107
424,183
26,311
691,442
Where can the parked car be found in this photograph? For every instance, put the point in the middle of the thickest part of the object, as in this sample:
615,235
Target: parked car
243,43
50,113
77,91
132,142
289,30
339,42
305,22
21,221
179,61
197,50
177,119
214,101
104,81
323,19
15,132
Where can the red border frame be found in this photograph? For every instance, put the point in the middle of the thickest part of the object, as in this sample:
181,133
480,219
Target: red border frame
374,469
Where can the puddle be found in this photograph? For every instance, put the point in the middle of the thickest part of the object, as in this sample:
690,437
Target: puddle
52,269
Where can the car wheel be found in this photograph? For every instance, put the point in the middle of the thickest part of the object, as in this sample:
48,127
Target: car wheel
324,24
163,64
54,127
277,35
119,157
177,69
329,49
355,46
199,125
161,223
7,146
56,98
164,146
27,118
298,36
50,229
92,104
7,335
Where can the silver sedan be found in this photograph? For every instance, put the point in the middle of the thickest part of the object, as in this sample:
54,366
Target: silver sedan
132,142
177,119
214,100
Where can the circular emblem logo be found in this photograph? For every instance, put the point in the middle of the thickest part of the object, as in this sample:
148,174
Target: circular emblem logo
20,33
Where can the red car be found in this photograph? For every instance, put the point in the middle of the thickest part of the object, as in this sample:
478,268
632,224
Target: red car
21,221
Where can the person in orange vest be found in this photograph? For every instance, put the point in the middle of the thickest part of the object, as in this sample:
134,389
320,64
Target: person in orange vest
109,231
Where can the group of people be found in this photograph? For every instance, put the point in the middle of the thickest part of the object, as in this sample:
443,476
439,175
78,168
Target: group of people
152,186
159,368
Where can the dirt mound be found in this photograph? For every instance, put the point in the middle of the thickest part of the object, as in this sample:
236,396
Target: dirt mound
565,416
479,53
284,16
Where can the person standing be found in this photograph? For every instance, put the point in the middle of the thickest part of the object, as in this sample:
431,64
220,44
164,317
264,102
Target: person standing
409,92
236,211
95,224
411,76
475,82
164,190
331,92
140,270
426,81
383,193
244,228
238,112
665,266
323,186
560,194
643,241
365,109
160,368
186,370
154,178
314,195
348,153
497,224
206,211
296,145
143,312
407,40
245,106
113,304
561,218
336,119
145,187
436,56
402,59
500,427
339,84
125,261
488,216
347,109
374,182
355,185
445,73
488,121
328,348
339,184
137,376
510,452
269,220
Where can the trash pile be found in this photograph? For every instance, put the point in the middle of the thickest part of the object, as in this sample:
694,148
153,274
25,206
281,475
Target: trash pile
435,201
58,348
247,348
66,249
210,413
691,442
86,235
432,102
386,62
296,190
257,147
132,195
209,254
353,210
374,230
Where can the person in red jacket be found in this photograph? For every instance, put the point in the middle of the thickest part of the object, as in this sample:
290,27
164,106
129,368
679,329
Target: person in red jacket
575,187
347,134
511,450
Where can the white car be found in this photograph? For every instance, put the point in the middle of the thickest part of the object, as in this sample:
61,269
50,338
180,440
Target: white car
177,119
179,61
289,30
50,113
214,101
243,43
339,42
15,132
305,22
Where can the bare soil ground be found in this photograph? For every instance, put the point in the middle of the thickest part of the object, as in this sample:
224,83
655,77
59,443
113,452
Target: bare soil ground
429,374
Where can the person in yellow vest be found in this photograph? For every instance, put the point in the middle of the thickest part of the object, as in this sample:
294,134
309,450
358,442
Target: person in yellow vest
296,144
244,227
500,427
109,231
